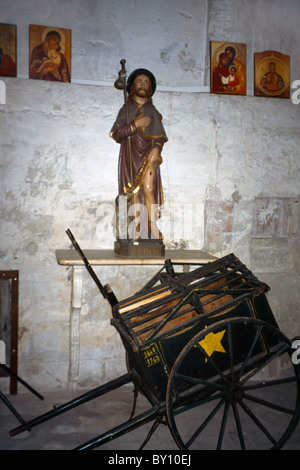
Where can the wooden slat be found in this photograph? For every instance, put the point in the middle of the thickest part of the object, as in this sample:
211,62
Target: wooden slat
144,301
213,287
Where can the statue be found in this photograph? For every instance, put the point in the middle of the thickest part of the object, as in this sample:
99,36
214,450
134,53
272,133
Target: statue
139,130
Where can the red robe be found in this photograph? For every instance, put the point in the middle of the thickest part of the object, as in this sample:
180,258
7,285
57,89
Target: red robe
7,66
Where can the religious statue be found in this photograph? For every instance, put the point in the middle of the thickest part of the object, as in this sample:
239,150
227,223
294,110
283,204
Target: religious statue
139,131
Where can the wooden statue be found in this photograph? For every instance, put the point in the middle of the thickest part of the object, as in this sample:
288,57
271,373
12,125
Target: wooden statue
141,134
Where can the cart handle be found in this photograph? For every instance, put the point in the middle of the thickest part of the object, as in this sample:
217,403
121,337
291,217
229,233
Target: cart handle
105,290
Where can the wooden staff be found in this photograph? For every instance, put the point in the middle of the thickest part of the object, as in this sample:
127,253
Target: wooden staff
120,84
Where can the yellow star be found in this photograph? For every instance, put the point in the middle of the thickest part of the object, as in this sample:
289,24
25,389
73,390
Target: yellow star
212,343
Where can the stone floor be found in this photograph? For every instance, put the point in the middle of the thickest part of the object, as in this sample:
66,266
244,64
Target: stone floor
87,421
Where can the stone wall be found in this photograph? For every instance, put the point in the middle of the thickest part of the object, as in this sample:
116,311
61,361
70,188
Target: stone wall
231,161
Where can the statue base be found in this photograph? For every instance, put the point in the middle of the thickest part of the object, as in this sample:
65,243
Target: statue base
140,248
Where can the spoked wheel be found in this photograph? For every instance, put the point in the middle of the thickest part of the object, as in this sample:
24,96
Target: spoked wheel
234,386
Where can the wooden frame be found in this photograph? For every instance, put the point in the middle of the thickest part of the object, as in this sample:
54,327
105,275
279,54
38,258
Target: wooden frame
271,74
8,50
13,277
227,68
49,53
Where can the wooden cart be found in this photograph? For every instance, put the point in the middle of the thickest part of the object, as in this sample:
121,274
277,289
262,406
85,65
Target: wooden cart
202,346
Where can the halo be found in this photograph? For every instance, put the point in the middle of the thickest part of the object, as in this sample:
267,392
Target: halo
221,50
62,36
263,66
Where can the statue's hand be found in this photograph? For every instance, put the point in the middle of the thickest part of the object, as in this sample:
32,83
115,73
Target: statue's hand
142,121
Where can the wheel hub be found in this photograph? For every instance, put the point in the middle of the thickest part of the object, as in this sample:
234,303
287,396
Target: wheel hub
237,393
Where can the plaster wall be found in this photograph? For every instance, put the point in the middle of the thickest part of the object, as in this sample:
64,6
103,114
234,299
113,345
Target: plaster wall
230,170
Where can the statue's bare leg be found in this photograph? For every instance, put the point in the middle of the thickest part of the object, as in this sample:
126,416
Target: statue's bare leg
148,188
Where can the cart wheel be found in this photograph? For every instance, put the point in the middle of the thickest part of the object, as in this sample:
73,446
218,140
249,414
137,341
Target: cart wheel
234,385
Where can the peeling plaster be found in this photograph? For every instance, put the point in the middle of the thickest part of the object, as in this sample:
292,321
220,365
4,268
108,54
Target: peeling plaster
187,62
236,197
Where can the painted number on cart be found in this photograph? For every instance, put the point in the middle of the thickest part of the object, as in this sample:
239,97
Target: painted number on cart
151,356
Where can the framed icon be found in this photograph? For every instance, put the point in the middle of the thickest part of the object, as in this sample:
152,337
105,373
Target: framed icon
227,68
271,74
8,50
50,53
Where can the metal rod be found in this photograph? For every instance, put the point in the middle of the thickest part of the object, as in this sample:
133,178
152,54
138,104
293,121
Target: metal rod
95,393
118,431
9,371
11,407
105,290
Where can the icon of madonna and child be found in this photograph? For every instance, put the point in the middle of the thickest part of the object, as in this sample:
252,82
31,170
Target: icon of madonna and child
50,53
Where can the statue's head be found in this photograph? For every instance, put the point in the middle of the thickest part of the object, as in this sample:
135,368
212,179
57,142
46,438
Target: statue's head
138,72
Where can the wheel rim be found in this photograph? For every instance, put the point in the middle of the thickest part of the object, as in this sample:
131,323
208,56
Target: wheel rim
231,393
